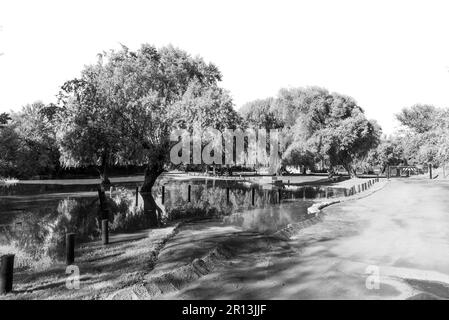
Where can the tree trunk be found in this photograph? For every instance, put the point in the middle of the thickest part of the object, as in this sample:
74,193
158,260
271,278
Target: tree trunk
104,176
105,182
151,175
330,172
351,171
150,206
151,209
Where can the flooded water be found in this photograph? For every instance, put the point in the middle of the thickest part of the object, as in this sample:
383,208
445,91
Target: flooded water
35,218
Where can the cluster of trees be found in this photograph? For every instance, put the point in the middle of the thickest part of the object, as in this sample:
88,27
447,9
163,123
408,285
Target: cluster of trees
27,142
422,139
121,110
317,126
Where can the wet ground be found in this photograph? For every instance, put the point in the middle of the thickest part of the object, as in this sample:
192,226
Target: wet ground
34,218
393,244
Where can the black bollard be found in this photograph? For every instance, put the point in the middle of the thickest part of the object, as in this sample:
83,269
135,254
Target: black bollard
253,195
280,195
137,196
105,231
189,191
70,248
163,194
6,273
430,170
227,195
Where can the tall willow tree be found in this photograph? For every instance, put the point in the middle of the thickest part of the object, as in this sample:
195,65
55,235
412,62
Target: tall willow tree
123,108
317,125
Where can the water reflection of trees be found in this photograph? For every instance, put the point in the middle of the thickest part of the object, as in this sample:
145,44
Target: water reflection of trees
39,233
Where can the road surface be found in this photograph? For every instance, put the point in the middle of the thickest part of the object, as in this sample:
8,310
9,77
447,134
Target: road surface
393,244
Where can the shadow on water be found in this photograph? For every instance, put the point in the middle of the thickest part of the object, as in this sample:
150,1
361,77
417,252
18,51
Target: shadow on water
35,218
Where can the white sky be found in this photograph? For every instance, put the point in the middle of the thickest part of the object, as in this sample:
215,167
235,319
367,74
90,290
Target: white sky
386,54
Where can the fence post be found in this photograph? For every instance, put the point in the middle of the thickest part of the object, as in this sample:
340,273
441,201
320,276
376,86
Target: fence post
280,195
430,170
105,231
163,194
227,195
137,196
70,248
253,194
189,190
6,273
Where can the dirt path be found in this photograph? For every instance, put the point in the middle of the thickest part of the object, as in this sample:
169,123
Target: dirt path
400,233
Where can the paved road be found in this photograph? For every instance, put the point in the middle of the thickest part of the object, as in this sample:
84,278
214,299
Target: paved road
393,244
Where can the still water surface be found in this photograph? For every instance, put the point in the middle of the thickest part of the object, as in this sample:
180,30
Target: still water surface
35,218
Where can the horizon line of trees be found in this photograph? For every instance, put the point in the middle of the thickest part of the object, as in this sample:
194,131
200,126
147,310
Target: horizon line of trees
121,110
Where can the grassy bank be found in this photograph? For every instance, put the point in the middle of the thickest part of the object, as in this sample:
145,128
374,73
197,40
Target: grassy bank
103,269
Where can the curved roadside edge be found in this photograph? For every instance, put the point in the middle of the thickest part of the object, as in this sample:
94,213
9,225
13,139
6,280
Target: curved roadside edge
314,212
315,209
